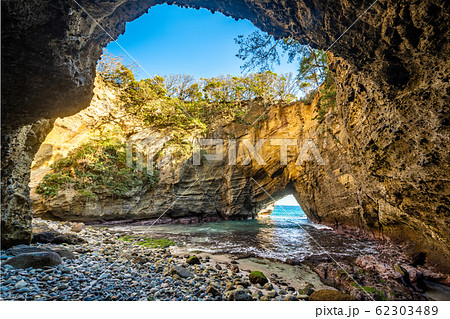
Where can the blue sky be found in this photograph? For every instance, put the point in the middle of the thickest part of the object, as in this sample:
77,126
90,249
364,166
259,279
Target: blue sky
173,40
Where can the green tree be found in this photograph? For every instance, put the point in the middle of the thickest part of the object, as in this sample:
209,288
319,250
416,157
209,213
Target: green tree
261,52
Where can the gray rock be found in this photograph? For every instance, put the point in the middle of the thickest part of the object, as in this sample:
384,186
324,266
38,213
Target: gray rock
23,249
54,237
20,284
34,260
181,271
238,295
62,252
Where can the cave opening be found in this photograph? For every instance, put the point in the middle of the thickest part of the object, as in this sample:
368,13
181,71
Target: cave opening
185,48
286,206
48,70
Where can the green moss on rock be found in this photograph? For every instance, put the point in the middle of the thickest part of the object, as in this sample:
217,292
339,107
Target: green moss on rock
329,295
149,242
193,260
257,277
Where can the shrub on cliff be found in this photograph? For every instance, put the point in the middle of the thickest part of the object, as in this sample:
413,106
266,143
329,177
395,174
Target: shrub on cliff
97,167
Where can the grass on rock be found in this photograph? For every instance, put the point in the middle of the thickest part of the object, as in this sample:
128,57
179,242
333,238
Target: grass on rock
94,168
149,242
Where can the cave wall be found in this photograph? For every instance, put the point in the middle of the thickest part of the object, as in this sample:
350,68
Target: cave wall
392,79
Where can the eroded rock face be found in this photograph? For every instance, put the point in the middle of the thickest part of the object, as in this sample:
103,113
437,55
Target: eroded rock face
391,119
18,149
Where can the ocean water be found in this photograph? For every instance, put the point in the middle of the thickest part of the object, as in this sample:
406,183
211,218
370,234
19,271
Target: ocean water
286,235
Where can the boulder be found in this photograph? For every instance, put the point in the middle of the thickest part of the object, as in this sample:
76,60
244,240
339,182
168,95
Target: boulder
257,277
193,260
34,260
329,295
54,237
181,271
24,249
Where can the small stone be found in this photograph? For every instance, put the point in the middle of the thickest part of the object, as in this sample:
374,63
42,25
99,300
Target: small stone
20,284
78,227
234,268
23,290
268,286
238,295
290,298
229,286
308,290
213,291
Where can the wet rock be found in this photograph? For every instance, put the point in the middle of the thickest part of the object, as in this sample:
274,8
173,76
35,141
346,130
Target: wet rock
34,260
257,277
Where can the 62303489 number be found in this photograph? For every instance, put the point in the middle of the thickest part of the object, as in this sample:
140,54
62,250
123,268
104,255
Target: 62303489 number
406,310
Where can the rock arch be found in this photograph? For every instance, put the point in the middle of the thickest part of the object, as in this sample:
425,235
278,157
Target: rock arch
392,108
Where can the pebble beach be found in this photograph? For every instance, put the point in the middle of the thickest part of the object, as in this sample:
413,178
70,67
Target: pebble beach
106,267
